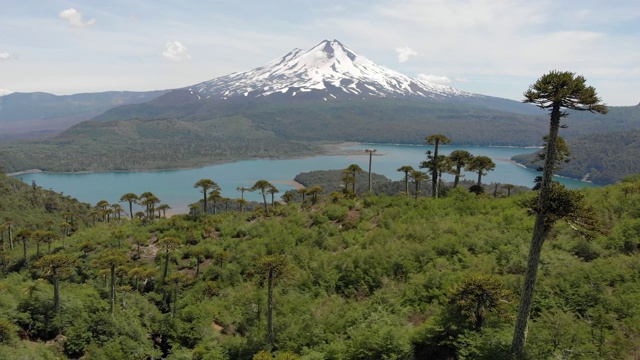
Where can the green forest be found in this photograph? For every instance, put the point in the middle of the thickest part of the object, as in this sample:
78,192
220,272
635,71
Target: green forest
343,277
428,270
144,137
599,158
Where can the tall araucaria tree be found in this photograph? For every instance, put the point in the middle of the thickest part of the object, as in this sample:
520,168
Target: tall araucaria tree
436,140
263,186
406,169
111,259
148,200
350,176
314,192
417,177
459,159
24,235
269,269
481,165
168,244
54,266
214,198
163,208
176,282
206,184
273,191
554,91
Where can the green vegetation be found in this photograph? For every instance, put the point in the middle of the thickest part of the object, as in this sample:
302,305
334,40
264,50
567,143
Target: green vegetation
365,278
168,134
149,145
436,163
600,158
347,273
554,91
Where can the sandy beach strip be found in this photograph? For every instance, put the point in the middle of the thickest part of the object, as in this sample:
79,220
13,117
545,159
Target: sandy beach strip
293,183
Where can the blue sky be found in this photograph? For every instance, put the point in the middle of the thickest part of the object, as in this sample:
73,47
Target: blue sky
490,47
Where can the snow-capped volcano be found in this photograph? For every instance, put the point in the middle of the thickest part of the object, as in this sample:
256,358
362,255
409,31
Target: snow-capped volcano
330,70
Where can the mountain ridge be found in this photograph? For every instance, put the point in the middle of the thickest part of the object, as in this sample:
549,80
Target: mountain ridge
41,111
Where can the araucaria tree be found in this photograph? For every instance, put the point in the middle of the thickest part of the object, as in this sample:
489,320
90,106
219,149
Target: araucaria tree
167,244
435,162
459,159
350,176
481,165
263,186
206,184
268,269
111,259
54,266
406,169
24,235
130,198
554,91
417,177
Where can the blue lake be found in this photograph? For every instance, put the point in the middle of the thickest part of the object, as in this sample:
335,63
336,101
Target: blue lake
175,187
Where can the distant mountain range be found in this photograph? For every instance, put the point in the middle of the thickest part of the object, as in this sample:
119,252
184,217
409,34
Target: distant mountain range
42,112
327,93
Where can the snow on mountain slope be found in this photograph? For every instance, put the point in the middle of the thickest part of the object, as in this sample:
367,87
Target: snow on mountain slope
329,68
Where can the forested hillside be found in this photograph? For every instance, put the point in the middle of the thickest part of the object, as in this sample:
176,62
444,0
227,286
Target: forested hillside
172,137
600,158
149,145
32,207
373,277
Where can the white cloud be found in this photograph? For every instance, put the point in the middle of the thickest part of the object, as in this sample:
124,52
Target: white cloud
175,51
74,18
437,79
404,53
5,56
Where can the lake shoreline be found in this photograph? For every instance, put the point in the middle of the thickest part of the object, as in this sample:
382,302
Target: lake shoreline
175,187
333,149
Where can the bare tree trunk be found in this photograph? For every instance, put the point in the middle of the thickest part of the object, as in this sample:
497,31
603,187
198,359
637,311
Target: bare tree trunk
264,200
434,172
10,238
370,156
540,231
406,183
456,180
204,205
24,251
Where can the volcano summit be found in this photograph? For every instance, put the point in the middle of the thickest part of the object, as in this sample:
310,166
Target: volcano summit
329,70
